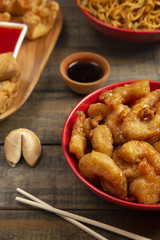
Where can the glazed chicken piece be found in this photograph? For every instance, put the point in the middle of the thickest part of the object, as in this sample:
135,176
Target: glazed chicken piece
78,144
130,169
96,109
127,94
146,188
98,113
133,152
114,122
100,168
101,139
143,121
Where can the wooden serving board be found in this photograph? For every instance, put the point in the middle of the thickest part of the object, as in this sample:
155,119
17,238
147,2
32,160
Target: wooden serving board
31,59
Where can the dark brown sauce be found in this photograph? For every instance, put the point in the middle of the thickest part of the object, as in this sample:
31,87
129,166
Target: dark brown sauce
85,72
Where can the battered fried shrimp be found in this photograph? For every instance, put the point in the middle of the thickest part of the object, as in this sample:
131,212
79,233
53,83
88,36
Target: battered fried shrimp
114,122
156,145
146,188
95,121
87,127
100,168
127,94
98,109
134,151
130,170
143,121
97,112
101,139
77,144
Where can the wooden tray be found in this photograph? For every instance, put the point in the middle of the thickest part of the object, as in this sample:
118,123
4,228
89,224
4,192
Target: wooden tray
32,58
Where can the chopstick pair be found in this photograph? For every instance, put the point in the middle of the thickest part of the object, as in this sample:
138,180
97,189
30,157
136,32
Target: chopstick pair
74,219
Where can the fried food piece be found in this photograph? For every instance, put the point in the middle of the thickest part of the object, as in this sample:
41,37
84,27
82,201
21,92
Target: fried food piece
95,121
114,122
98,167
16,79
87,127
9,88
19,7
146,188
140,163
41,20
98,113
78,144
96,109
38,15
130,169
4,102
143,121
5,4
8,91
134,151
156,145
101,139
127,94
8,66
5,17
10,76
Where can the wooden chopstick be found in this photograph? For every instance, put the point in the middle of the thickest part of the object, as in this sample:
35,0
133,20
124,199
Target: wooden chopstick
39,203
70,217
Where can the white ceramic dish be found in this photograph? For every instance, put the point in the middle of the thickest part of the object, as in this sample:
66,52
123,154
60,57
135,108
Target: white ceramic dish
12,36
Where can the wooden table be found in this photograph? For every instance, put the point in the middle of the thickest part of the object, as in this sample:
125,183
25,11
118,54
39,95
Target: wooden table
44,113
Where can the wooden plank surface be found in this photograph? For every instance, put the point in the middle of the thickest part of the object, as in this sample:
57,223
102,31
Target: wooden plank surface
31,59
45,113
42,225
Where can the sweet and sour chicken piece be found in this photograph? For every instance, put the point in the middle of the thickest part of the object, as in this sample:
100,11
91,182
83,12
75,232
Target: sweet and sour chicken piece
126,94
143,121
102,140
146,188
100,168
78,144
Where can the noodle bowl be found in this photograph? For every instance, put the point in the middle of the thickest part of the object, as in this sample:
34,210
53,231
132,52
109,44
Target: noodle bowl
131,21
129,14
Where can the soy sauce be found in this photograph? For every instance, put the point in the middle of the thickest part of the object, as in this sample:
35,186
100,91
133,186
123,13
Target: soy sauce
85,72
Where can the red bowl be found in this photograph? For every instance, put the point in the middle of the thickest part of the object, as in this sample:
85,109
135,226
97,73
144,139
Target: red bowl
121,33
73,163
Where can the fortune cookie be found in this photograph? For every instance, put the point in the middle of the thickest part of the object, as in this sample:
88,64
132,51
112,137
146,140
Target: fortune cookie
22,142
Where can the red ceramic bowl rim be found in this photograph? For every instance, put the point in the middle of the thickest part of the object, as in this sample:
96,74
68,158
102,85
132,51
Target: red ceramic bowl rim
69,157
123,30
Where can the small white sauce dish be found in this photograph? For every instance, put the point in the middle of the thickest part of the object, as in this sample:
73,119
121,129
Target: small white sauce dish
12,36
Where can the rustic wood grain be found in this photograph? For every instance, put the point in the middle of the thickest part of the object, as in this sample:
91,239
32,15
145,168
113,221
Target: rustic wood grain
35,225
